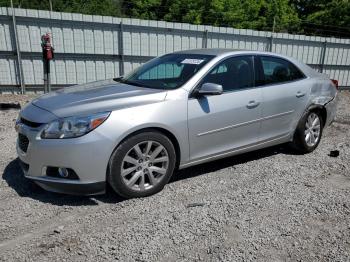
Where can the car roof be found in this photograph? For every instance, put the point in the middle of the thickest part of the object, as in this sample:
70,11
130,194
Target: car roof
225,52
209,51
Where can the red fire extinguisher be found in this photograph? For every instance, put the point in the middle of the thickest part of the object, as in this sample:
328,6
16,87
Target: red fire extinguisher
47,47
47,56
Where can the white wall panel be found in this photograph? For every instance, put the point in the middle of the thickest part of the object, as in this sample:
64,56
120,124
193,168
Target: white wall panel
87,47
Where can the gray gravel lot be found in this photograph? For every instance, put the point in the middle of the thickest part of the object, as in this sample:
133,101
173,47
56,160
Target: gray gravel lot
268,205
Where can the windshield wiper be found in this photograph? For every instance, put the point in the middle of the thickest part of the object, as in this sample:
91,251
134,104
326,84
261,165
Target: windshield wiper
133,83
118,79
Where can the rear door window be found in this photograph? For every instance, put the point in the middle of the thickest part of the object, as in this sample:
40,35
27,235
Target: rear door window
278,70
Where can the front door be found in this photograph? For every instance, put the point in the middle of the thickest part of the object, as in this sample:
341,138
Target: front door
222,123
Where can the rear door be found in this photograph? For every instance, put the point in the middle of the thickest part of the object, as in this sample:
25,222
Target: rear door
284,92
220,123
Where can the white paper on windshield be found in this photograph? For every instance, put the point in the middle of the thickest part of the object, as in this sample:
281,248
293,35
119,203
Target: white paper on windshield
192,61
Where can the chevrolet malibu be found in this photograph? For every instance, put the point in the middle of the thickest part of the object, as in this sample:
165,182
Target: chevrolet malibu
175,111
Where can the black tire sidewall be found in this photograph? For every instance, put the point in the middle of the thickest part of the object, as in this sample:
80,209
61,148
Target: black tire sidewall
299,136
114,178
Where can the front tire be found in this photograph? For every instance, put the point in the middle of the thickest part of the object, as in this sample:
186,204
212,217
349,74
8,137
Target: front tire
142,165
308,133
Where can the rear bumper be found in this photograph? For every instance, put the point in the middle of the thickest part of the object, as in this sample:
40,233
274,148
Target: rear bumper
331,108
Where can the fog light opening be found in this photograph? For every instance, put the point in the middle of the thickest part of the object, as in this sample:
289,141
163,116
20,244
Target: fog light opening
63,172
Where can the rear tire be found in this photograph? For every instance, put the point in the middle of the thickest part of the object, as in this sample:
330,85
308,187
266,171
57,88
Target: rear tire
142,165
308,133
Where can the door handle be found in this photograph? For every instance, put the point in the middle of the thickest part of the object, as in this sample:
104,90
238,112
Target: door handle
300,94
252,104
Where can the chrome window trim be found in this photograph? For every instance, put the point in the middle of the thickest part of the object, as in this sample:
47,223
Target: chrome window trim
282,83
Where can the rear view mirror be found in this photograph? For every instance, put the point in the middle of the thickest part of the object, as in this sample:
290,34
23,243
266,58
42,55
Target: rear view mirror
209,89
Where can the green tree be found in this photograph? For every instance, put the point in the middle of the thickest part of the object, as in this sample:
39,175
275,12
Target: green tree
143,9
331,17
336,13
327,17
251,14
93,7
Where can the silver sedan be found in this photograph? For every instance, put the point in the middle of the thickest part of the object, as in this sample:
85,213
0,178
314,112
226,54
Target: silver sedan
175,111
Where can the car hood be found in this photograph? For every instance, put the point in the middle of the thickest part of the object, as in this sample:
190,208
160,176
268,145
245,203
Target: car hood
99,96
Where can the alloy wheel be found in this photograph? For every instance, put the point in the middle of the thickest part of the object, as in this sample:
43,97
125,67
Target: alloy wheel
144,165
312,129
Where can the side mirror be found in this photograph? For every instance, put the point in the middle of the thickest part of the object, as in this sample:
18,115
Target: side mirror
209,89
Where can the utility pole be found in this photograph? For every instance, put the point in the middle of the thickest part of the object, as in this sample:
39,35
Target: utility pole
50,2
274,24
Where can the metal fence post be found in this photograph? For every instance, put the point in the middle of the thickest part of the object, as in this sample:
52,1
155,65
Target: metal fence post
18,51
271,42
323,56
205,39
121,49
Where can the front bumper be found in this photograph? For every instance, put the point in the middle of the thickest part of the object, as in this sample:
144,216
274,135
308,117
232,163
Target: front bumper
66,187
97,188
88,156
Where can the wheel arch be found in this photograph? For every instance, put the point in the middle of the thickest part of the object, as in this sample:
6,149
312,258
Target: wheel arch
313,107
319,108
162,130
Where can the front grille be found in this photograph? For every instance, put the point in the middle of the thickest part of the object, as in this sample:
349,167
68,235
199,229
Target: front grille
23,142
30,123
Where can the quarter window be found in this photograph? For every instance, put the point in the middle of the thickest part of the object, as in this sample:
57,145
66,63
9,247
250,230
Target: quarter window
277,70
233,73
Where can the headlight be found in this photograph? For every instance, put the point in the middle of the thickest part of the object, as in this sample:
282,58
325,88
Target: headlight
73,126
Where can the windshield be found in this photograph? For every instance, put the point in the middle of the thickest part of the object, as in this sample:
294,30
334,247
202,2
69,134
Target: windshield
168,71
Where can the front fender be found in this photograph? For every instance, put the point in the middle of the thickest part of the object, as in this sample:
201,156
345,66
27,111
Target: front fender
168,115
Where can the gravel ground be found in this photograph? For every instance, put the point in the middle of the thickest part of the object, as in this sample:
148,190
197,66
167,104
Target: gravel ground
21,99
268,205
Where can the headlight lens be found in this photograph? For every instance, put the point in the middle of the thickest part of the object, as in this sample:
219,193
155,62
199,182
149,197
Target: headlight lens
73,126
